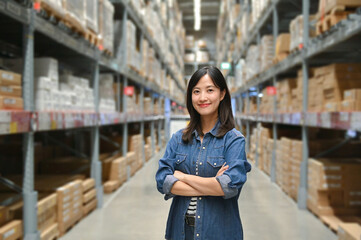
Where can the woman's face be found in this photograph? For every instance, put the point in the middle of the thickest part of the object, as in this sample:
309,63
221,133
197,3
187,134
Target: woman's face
206,97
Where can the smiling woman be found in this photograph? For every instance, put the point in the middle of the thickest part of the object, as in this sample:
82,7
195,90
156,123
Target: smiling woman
205,166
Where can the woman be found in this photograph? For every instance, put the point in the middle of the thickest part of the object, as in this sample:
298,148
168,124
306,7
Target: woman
204,166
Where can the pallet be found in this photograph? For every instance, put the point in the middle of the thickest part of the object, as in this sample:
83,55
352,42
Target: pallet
107,52
336,15
68,229
346,5
92,38
50,11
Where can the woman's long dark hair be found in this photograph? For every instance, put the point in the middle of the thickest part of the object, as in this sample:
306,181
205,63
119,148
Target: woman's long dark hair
225,114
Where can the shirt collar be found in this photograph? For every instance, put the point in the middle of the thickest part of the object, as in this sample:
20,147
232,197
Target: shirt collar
213,131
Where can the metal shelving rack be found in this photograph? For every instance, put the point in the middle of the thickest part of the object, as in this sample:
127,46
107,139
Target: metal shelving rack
321,50
60,120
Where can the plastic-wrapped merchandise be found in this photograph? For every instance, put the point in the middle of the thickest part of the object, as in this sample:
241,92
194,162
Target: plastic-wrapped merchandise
131,31
252,62
91,15
239,72
296,31
266,51
106,24
75,14
145,51
202,56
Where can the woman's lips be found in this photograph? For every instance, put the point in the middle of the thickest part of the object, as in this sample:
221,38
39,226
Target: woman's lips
204,105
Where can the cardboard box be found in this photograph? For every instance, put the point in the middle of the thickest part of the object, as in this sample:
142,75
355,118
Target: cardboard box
12,231
89,206
88,184
9,78
11,91
352,94
283,43
87,197
50,233
11,103
349,231
350,105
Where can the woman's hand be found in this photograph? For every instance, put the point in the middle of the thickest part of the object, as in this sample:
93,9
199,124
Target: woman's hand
179,175
222,170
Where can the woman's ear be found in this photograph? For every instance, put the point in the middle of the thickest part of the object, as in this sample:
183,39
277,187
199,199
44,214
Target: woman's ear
223,93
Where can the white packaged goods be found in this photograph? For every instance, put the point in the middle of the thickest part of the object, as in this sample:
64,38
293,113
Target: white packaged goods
266,51
240,73
46,67
43,83
106,93
106,27
43,96
91,15
189,41
131,31
56,6
296,31
202,56
252,62
118,26
75,13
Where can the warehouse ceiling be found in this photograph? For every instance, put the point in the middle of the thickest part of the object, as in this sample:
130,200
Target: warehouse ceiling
209,16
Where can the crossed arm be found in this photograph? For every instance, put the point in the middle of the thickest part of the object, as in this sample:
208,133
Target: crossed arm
191,185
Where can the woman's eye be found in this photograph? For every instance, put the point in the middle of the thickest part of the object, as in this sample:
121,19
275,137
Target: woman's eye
210,90
196,92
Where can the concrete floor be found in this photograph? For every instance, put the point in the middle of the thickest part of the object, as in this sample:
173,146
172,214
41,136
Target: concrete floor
138,212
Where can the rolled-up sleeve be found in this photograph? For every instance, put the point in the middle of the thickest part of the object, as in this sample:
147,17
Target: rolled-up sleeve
164,176
235,156
224,181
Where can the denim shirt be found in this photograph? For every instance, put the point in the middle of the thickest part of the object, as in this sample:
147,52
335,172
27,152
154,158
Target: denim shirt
217,218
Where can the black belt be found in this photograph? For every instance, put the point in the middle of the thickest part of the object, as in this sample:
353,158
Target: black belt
190,220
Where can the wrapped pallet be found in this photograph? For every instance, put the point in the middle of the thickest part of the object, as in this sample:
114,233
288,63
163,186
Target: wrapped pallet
53,6
296,32
106,25
91,15
266,51
75,14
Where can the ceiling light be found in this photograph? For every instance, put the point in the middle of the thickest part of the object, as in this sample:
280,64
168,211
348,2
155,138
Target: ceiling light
197,14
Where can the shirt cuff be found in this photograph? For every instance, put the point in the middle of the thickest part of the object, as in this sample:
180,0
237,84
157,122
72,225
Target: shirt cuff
167,186
224,181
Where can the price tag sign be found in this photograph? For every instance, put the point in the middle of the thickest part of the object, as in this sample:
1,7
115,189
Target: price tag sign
129,91
53,124
13,127
271,91
326,120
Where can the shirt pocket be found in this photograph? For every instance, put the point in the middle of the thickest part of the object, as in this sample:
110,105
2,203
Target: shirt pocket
214,164
180,162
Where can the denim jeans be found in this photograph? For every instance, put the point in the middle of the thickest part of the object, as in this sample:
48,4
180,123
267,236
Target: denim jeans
189,232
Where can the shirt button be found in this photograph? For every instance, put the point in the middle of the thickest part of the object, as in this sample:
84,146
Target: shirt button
197,234
199,216
204,147
200,198
215,164
200,163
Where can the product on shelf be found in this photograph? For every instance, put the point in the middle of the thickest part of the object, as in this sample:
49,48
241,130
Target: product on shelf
9,78
258,7
12,230
282,47
189,57
349,230
296,32
89,196
189,41
202,56
91,15
284,94
75,14
106,25
11,103
266,52
10,91
54,7
351,100
106,93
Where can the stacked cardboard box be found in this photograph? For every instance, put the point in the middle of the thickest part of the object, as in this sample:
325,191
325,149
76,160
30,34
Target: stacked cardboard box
349,231
266,51
297,94
253,62
279,164
135,145
336,79
10,91
70,205
334,186
351,100
282,47
106,24
315,94
47,216
286,146
296,32
75,14
284,94
12,231
258,7
266,105
295,165
106,93
89,196
118,170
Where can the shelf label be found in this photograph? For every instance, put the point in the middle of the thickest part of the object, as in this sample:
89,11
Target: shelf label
129,91
53,124
13,127
312,119
326,120
271,91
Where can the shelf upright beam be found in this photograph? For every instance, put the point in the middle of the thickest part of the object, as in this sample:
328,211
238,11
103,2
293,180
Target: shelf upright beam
118,92
30,196
123,46
160,123
258,127
275,133
96,166
302,191
152,132
248,132
142,121
125,126
167,113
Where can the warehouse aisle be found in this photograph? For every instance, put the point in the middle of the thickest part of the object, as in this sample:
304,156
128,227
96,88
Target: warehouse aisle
138,212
